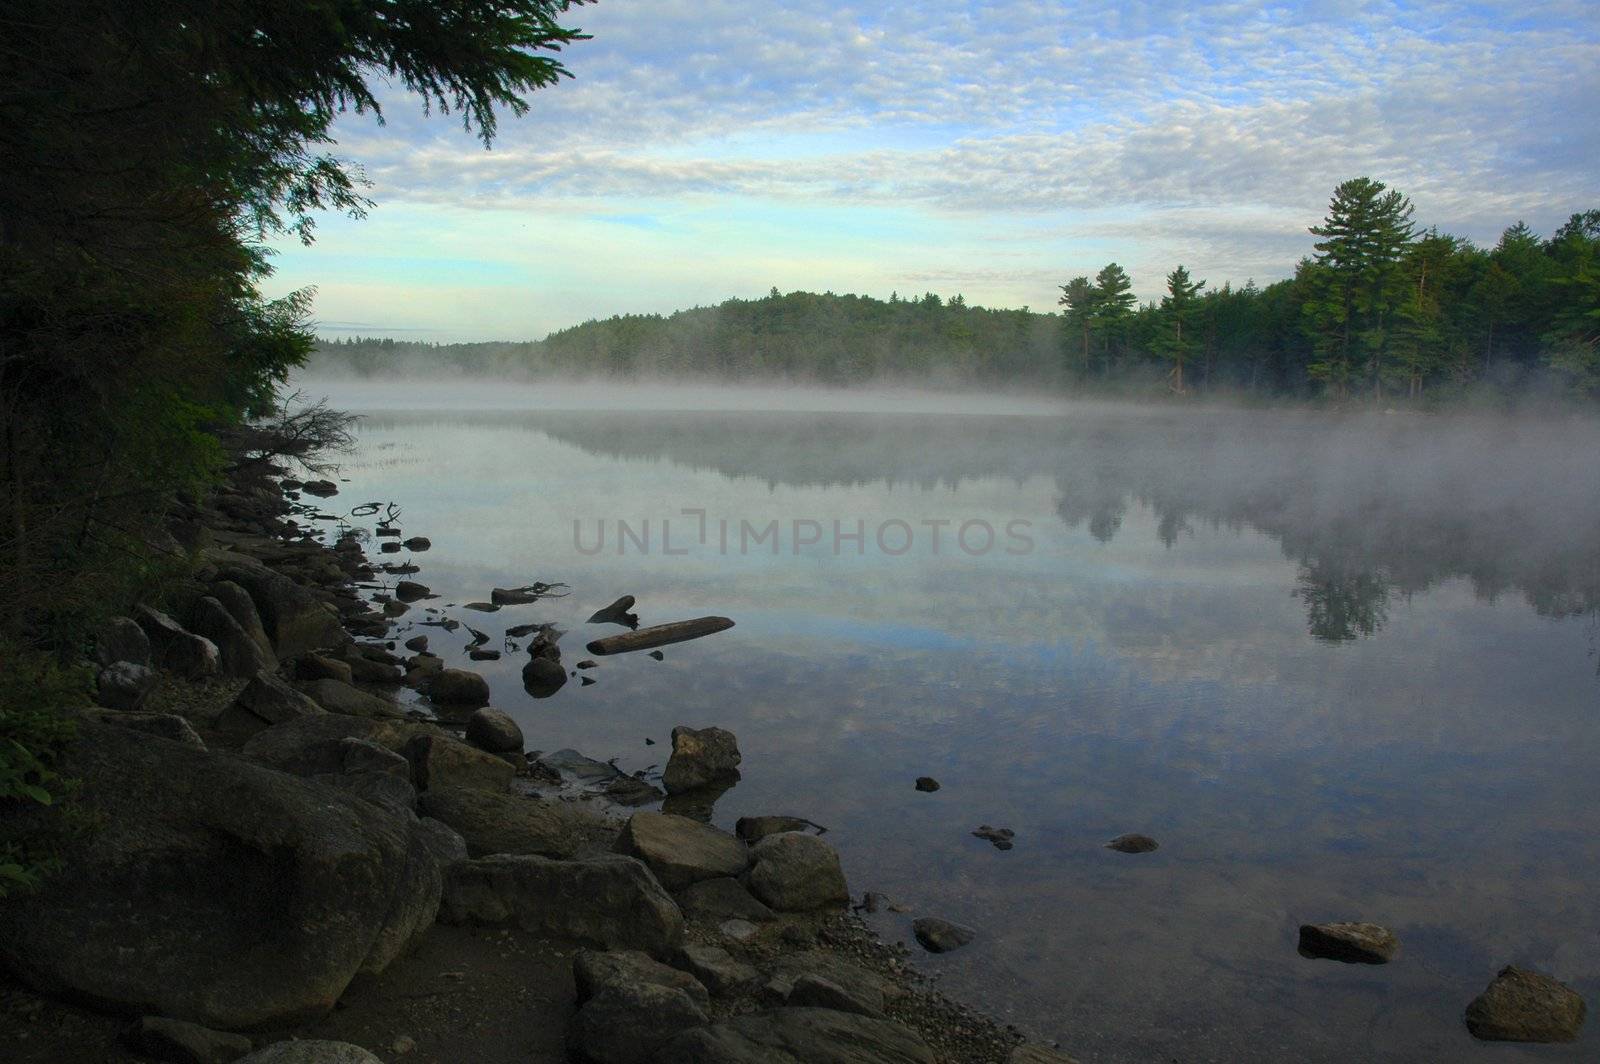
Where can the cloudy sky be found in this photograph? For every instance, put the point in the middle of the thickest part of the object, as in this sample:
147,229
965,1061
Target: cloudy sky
722,147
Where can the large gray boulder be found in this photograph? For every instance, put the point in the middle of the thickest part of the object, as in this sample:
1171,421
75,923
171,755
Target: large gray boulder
237,601
309,746
797,1036
265,701
501,822
176,648
681,851
241,656
612,902
440,761
121,639
704,757
214,890
124,685
338,697
1524,1006
295,619
793,872
490,729
626,1022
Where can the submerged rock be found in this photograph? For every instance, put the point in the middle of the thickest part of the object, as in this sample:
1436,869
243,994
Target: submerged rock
1524,1006
1132,843
941,936
1001,838
753,829
1350,942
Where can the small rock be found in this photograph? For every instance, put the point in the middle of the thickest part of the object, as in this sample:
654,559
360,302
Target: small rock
1524,1006
338,697
658,655
482,607
403,1045
617,613
713,901
483,655
700,758
588,663
1132,843
594,970
411,591
418,544
417,643
182,1042
927,784
625,1023
322,489
542,677
755,828
1354,943
941,936
166,725
718,969
322,667
586,681
395,609
514,596
177,648
266,700
310,1051
738,930
999,837
123,685
817,992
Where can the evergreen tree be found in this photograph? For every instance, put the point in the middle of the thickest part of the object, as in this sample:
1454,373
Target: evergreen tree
1080,297
1113,306
1178,307
1354,280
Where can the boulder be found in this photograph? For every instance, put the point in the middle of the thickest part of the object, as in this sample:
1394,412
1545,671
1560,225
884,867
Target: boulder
295,619
1524,1006
309,746
458,687
494,731
927,784
418,543
700,758
391,793
338,697
865,986
819,992
793,872
322,489
265,701
941,936
176,648
168,726
626,1022
797,1036
681,851
439,761
593,970
417,643
184,1043
241,655
214,890
121,639
308,667
500,822
411,591
611,901
711,901
753,829
123,685
366,667
442,841
716,968
236,600
310,1051
1354,943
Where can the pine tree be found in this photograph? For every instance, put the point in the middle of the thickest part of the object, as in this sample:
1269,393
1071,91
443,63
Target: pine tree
1113,305
1178,307
1080,297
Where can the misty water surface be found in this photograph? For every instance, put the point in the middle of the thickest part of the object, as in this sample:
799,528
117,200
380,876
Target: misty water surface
1342,669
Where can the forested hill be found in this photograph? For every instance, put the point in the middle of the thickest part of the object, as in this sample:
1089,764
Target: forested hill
1381,310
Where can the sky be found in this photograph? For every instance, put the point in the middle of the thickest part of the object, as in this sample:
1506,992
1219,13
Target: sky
722,148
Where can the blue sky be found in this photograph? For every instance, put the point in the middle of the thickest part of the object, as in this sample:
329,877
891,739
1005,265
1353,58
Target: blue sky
722,147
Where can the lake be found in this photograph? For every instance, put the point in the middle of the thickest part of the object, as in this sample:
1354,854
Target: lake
1341,668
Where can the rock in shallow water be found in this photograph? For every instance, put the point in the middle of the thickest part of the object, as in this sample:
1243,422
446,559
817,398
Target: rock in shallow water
701,757
492,730
1524,1006
1133,843
941,936
1350,942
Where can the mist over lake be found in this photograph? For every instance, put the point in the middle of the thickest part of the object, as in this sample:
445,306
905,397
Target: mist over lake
1340,666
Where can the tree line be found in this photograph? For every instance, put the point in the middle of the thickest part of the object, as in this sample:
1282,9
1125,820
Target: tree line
1381,310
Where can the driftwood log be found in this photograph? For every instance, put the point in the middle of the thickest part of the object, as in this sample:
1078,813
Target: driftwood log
659,635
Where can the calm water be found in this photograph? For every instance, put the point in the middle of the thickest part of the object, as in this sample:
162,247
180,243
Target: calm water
1339,669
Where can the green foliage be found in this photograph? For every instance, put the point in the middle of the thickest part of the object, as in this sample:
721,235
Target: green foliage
1178,308
37,698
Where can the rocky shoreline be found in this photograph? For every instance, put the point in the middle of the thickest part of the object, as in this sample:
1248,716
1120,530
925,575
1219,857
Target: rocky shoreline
285,863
